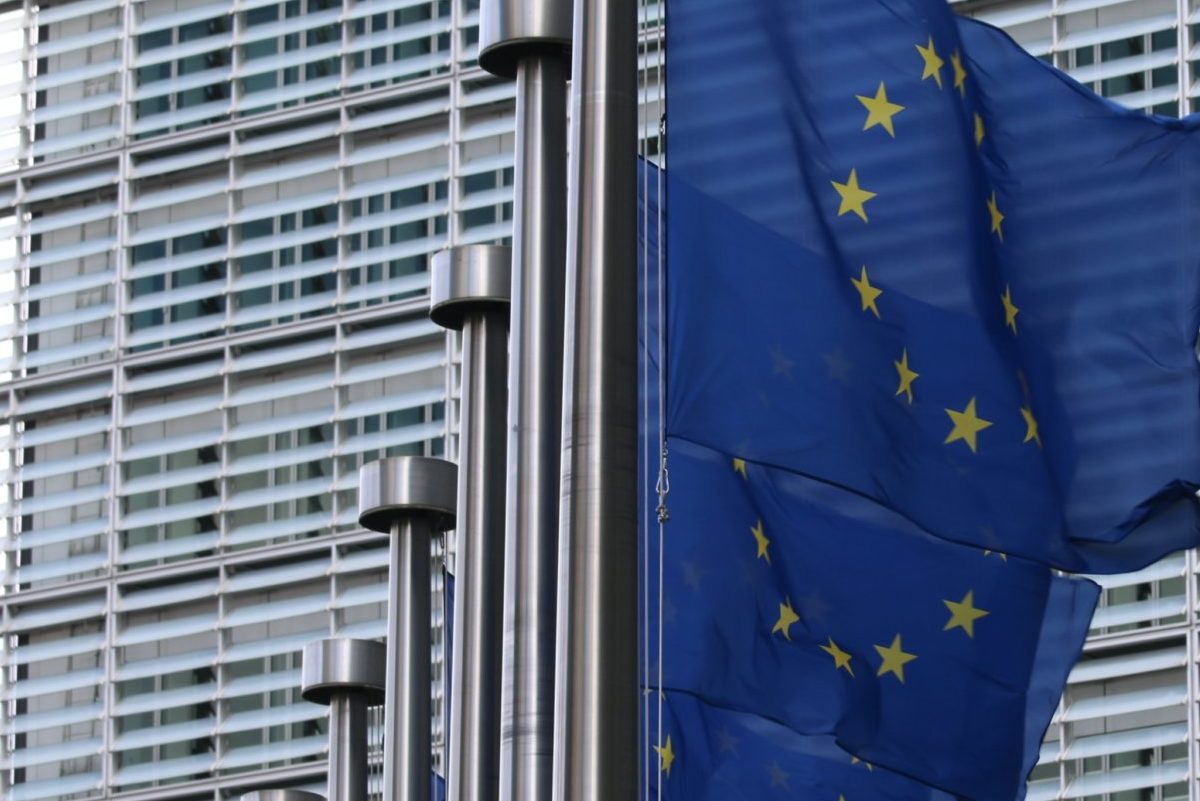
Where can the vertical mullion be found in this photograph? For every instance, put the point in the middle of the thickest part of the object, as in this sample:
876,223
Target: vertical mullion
341,278
127,78
115,479
1192,714
1184,43
233,204
238,29
28,98
7,678
222,675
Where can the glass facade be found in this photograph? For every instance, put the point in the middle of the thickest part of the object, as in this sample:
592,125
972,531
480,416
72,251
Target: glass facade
224,213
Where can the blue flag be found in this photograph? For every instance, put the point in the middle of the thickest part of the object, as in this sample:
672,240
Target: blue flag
911,261
831,616
714,754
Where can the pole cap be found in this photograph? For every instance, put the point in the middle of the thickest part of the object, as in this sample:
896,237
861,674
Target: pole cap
281,795
469,279
510,30
406,487
339,665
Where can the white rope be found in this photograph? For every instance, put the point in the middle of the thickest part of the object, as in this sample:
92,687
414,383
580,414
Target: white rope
664,484
653,684
647,750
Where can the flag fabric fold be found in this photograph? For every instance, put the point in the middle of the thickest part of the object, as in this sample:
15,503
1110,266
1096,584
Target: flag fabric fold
909,260
710,753
800,603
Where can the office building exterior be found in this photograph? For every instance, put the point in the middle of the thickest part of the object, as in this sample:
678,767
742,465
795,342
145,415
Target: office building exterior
223,213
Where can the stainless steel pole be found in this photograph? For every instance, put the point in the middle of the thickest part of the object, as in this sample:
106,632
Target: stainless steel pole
530,40
469,291
596,710
409,497
407,718
345,675
281,795
535,430
347,748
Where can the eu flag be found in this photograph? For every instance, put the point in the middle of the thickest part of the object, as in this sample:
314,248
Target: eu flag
710,753
911,261
793,601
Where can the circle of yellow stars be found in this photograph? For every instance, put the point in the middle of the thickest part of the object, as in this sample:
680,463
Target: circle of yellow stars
882,110
966,423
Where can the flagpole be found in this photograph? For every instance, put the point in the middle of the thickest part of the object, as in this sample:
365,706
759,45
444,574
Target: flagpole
596,708
408,497
530,40
469,291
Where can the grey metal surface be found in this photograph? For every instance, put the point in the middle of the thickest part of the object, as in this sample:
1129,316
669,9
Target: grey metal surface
534,430
406,756
339,665
510,30
467,281
347,747
400,486
281,795
596,707
411,497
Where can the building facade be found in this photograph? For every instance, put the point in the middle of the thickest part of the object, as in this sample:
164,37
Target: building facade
223,213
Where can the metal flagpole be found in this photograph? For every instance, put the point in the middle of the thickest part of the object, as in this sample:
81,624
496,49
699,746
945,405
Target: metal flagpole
469,291
347,676
530,40
597,703
409,497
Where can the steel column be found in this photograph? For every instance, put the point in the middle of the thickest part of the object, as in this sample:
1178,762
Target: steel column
469,291
530,40
410,496
280,795
347,748
596,710
345,675
535,430
406,776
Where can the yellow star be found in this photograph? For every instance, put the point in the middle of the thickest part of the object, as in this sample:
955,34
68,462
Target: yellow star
1010,309
997,217
960,74
739,466
979,131
933,63
867,293
907,376
1003,556
894,659
855,761
841,659
966,425
761,538
853,196
964,614
880,110
1031,426
787,617
666,756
